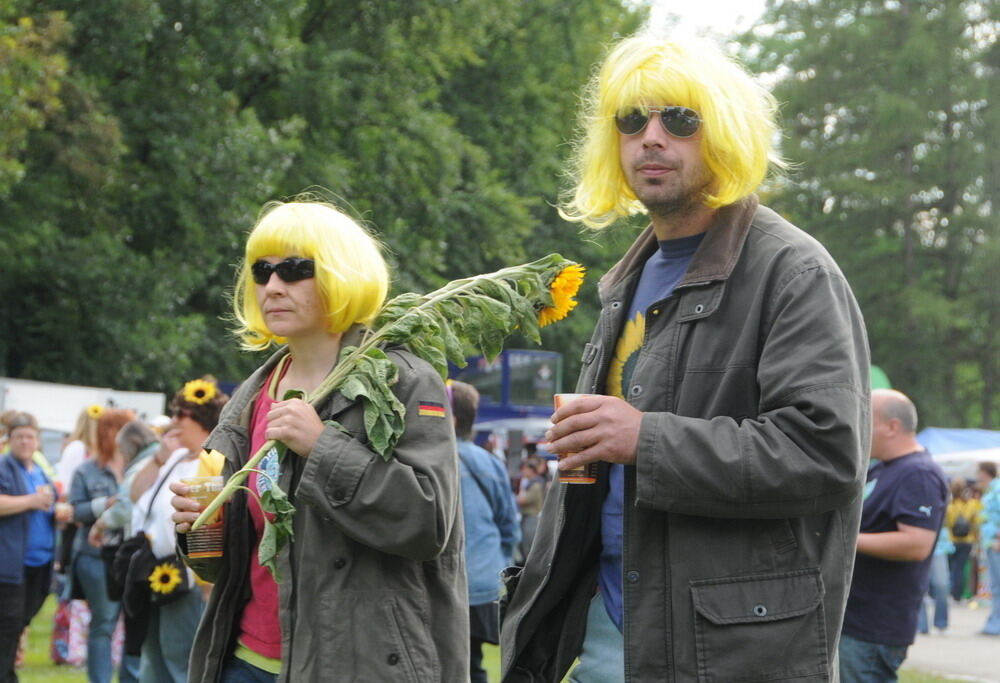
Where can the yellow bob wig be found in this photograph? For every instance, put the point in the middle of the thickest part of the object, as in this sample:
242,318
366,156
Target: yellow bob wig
738,123
351,276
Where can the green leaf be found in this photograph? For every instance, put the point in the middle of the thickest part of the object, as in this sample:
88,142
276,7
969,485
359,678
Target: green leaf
277,532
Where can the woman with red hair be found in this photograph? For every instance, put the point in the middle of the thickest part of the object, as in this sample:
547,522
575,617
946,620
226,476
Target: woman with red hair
93,490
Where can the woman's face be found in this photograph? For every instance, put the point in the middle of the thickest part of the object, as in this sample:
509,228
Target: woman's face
291,309
191,435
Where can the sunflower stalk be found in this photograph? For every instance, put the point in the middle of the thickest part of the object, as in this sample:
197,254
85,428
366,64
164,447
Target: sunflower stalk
479,311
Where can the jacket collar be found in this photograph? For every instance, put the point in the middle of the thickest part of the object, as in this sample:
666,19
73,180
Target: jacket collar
716,256
241,405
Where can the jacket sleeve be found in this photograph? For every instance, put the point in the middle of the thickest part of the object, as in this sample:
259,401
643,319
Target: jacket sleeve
85,508
404,506
805,451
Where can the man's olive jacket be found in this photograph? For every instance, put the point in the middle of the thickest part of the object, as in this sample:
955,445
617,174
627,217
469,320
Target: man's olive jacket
741,512
373,585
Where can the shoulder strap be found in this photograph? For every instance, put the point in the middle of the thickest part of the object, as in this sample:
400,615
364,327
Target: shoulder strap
476,478
159,485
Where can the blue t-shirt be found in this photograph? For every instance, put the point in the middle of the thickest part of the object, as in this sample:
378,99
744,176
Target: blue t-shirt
663,270
41,535
885,595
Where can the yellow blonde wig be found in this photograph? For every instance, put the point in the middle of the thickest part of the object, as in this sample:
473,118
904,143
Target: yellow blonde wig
351,276
738,123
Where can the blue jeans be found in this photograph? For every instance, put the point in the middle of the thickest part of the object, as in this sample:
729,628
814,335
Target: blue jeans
103,617
238,671
862,662
992,626
167,647
603,657
939,591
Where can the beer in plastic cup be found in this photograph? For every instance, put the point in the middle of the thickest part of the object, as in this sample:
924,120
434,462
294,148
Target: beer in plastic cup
207,540
586,474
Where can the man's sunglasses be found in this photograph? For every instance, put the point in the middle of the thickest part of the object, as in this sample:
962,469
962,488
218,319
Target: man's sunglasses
680,122
290,270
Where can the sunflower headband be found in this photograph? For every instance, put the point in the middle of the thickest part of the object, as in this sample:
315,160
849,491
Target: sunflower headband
95,411
199,392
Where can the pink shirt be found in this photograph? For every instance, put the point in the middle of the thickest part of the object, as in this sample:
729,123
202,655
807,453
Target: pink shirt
260,626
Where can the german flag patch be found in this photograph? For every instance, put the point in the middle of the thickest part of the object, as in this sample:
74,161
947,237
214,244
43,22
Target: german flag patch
431,409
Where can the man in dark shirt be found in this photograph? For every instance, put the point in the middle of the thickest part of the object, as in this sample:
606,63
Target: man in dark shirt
905,500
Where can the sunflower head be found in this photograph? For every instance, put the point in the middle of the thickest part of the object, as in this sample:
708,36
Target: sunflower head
164,578
199,391
563,288
95,411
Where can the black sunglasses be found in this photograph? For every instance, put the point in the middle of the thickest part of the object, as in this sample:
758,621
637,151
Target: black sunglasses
680,122
290,270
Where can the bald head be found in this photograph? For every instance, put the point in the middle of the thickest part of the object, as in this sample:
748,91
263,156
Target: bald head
895,405
894,424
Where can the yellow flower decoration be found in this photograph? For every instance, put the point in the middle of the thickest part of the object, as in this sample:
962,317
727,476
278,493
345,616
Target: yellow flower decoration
199,391
95,411
164,578
563,288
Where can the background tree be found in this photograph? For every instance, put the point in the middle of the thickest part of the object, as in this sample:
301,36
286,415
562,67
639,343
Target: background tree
886,113
153,132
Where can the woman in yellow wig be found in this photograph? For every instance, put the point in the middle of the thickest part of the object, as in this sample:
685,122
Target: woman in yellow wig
373,580
737,124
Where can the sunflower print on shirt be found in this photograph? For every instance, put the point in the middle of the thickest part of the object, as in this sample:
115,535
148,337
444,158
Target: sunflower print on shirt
626,355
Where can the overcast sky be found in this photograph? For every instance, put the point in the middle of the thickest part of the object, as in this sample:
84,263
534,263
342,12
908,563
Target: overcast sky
715,16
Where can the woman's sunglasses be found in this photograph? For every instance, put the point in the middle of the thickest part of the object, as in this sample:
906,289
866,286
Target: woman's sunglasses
680,122
290,270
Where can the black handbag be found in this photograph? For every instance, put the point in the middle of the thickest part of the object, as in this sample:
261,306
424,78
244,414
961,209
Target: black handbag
146,580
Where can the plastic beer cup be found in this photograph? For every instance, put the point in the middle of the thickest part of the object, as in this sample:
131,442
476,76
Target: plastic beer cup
207,540
586,474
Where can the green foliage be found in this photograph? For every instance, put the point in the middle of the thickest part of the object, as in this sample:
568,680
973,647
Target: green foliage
887,117
277,531
149,134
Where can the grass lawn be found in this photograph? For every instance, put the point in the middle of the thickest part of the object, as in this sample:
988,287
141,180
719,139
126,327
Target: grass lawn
38,665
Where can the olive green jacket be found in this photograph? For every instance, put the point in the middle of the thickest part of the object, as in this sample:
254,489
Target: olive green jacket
374,585
741,512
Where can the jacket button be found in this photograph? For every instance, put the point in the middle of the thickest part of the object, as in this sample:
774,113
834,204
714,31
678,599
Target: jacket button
339,563
392,659
760,611
699,308
616,304
656,311
632,577
636,390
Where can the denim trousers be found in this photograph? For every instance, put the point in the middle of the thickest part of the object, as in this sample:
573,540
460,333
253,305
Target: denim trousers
603,657
939,592
103,617
168,643
992,626
863,662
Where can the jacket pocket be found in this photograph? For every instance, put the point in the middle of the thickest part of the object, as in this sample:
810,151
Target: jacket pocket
767,627
410,658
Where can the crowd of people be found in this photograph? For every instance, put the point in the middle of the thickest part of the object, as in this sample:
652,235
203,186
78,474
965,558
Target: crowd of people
725,401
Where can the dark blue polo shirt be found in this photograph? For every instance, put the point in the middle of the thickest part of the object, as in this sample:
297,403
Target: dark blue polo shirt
885,595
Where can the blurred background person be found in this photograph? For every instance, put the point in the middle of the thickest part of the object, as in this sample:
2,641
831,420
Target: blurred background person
990,540
93,490
81,445
492,531
530,496
939,586
27,537
962,522
195,409
137,443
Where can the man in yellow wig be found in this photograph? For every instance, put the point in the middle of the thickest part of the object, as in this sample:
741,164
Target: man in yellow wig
728,414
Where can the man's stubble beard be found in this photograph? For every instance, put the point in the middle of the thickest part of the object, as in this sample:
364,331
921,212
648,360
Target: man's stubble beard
680,204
